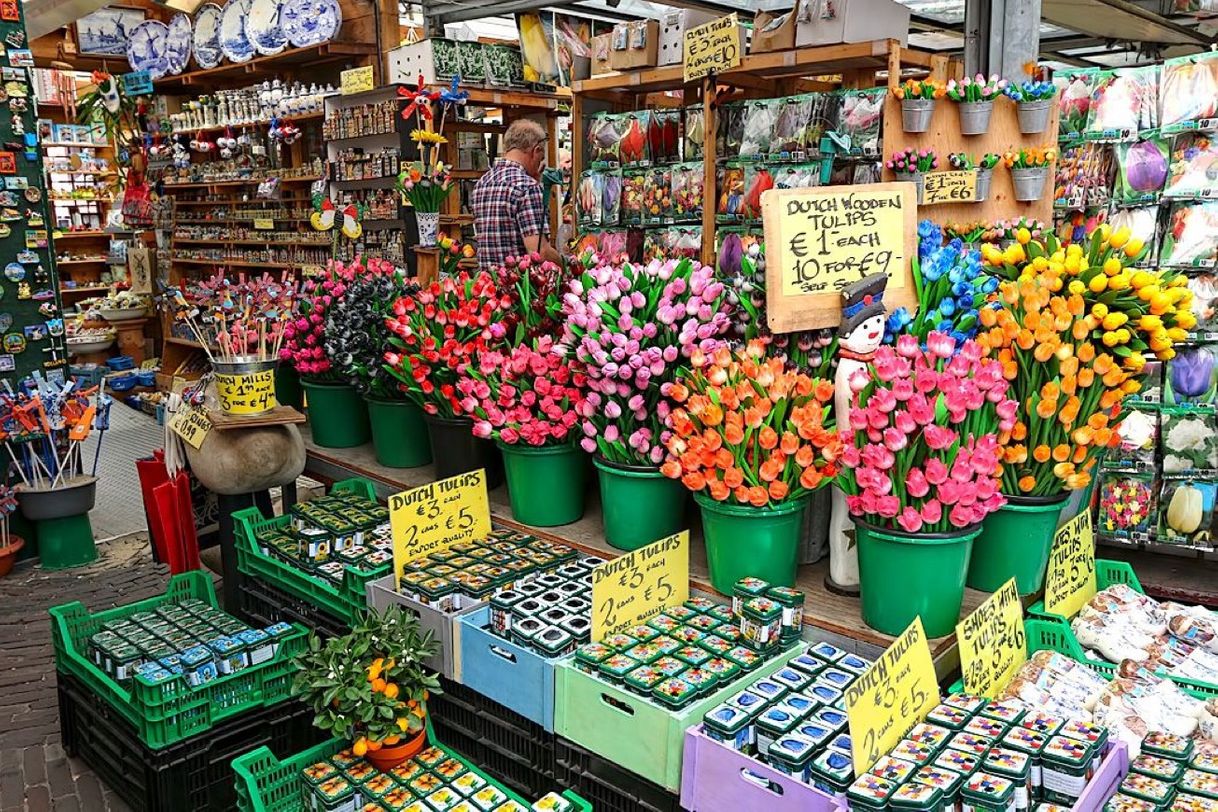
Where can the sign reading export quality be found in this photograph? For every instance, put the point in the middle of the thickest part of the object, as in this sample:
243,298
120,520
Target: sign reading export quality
992,642
1070,578
631,588
436,516
713,47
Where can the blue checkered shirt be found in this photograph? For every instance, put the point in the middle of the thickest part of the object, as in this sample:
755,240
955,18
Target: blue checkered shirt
508,206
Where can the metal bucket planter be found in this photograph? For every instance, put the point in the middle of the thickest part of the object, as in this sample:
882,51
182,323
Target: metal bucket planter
61,518
69,499
916,114
984,176
975,117
1029,183
916,178
246,388
1034,116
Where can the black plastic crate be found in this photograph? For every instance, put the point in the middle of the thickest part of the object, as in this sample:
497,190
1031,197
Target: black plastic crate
516,736
607,786
195,774
262,604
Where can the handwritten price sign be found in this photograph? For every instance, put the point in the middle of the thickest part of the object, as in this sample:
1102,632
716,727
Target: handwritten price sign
640,584
191,425
992,642
247,392
712,48
892,696
434,517
949,187
355,80
1070,580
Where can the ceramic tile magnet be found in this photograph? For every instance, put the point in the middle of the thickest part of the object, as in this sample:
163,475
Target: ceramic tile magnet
8,163
10,11
14,343
7,363
34,332
6,321
54,327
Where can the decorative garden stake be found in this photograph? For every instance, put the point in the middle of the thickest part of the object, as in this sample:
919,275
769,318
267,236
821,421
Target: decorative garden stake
859,336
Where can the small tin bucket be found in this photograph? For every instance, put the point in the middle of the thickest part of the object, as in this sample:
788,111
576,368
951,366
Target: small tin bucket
916,178
246,388
1029,182
1033,116
975,117
916,114
984,176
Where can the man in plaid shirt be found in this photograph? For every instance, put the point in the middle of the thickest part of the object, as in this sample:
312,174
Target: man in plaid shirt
510,215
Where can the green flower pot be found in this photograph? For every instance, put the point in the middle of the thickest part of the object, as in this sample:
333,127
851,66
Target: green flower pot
399,435
337,415
639,505
66,542
456,450
746,541
1016,541
287,386
546,483
904,575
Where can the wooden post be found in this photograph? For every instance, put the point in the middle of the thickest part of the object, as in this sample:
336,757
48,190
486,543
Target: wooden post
577,152
552,202
709,198
428,265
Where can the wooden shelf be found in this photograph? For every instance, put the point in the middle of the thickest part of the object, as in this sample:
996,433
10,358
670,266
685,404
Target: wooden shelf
183,342
468,174
475,127
219,203
241,262
193,241
251,182
85,289
80,235
548,102
202,222
244,73
345,138
72,144
457,219
266,122
69,201
77,172
102,261
385,181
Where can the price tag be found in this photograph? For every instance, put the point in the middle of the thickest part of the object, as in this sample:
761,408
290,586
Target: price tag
949,187
355,80
191,425
1070,579
640,584
264,223
992,642
136,83
714,47
247,392
891,696
434,517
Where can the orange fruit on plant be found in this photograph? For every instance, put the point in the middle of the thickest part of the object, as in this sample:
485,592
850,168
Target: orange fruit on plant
360,748
391,690
374,746
390,741
378,685
403,724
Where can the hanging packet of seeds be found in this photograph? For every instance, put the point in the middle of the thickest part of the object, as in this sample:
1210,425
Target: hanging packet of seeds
1126,506
588,196
759,118
788,141
731,129
1124,102
611,198
687,182
1143,223
1191,376
1189,93
663,136
796,176
1074,89
695,132
657,196
654,244
731,193
633,183
1190,441
757,181
612,243
1139,436
1141,170
604,140
1204,287
1193,172
1190,238
862,115
683,241
823,116
633,145
1186,513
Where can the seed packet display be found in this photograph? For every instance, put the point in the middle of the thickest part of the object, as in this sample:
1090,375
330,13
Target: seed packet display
694,133
1082,175
731,129
1191,376
1190,93
633,147
731,193
1194,167
1074,88
1143,223
789,139
757,181
862,114
664,136
1190,237
1141,170
633,183
687,182
611,198
1186,512
796,176
589,195
604,140
1139,435
1126,508
1190,441
657,195
1204,287
1123,103
755,135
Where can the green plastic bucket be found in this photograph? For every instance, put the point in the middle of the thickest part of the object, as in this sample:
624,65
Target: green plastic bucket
399,435
1015,541
337,415
904,575
66,542
639,505
287,386
546,484
750,541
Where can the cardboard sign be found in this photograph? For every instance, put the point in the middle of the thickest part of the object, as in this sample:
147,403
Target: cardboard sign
891,696
264,224
1070,579
246,392
136,83
949,187
356,80
436,516
992,642
820,239
713,47
640,584
191,425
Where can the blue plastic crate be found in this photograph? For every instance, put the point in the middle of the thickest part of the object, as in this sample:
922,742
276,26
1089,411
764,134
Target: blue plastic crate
121,363
515,677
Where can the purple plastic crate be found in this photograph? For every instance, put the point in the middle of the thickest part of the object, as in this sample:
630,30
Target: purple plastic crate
1107,778
716,778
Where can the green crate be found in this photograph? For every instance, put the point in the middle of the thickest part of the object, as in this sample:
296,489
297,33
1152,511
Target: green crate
166,713
633,732
266,784
1107,573
346,602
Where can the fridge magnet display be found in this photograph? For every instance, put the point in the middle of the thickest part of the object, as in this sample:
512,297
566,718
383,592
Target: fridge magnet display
1126,505
1186,512
1190,441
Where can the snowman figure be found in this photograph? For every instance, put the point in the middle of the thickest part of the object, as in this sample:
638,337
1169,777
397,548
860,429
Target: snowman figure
859,336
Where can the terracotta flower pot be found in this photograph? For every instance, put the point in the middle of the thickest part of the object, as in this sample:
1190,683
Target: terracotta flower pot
387,758
8,555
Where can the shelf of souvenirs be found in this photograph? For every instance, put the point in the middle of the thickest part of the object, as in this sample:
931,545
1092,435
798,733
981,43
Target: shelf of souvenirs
211,200
295,255
80,235
246,182
229,173
194,235
230,74
73,290
73,145
236,127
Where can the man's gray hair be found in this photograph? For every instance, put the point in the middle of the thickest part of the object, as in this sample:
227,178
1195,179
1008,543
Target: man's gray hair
523,134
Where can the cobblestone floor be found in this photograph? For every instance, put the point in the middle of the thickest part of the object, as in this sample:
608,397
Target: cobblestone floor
35,773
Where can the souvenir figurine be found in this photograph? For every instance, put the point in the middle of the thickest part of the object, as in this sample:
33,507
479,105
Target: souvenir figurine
859,336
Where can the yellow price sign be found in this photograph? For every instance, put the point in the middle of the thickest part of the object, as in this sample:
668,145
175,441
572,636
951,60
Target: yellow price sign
821,239
192,425
713,47
434,517
631,588
992,642
949,187
1070,579
264,223
355,80
246,393
891,696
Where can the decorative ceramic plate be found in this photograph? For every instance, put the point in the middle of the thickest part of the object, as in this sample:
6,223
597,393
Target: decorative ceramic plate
146,48
233,42
311,22
263,29
207,36
178,43
14,272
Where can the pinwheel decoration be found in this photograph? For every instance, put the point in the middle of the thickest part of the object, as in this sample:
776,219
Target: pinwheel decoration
420,100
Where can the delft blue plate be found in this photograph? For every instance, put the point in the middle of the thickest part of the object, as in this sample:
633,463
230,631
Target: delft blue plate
263,29
311,22
207,36
146,48
14,272
233,42
178,43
